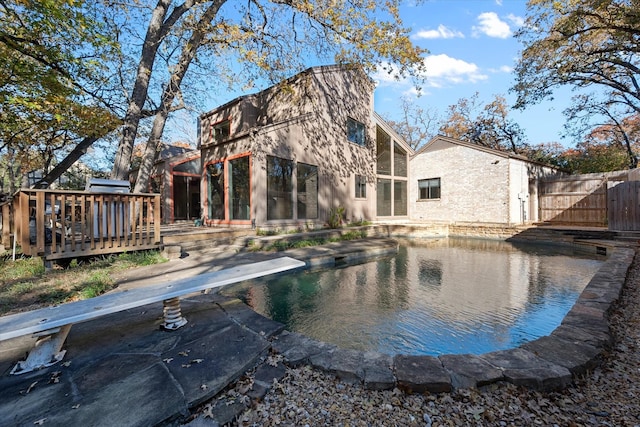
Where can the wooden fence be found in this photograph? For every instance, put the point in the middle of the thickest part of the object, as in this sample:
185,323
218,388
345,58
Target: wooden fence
624,206
609,200
57,224
574,200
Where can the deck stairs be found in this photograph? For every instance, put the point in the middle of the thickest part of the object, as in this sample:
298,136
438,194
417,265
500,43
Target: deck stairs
191,238
593,236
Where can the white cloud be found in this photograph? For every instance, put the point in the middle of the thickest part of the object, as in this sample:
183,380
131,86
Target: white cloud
414,93
502,69
517,21
441,33
491,25
386,78
441,71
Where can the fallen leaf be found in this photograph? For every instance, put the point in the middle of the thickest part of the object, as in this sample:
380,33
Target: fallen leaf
273,360
33,384
243,388
55,377
208,411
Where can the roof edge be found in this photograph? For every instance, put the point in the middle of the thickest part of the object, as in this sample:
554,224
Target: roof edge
503,154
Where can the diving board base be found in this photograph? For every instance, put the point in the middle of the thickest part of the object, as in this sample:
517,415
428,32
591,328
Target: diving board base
46,352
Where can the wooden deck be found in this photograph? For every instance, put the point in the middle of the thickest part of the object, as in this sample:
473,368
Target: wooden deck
58,224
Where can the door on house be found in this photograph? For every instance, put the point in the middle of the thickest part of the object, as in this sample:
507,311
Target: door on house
185,191
229,190
186,197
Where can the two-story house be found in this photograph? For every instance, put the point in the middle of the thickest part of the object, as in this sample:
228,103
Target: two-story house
293,154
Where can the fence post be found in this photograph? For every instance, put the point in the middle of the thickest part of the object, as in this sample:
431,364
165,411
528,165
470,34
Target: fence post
156,218
7,224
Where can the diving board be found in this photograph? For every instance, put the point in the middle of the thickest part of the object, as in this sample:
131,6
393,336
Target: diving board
51,325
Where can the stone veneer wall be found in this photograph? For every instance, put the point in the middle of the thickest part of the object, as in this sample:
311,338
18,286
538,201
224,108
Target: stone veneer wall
488,231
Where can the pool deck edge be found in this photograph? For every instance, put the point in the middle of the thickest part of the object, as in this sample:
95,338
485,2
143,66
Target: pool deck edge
548,363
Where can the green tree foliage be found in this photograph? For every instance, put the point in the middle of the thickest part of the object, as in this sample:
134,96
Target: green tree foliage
50,82
592,158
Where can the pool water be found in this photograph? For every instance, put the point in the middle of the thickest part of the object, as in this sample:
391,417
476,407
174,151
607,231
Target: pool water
436,296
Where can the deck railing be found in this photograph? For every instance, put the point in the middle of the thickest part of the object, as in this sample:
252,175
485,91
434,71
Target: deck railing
57,224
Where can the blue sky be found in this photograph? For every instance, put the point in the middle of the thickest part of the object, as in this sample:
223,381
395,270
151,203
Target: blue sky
471,49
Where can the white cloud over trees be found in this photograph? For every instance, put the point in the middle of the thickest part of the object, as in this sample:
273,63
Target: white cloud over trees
490,24
442,32
441,70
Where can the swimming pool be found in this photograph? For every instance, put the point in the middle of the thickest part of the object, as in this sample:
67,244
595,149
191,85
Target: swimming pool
436,296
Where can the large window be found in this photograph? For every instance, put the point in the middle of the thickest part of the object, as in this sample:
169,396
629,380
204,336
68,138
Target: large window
428,189
307,177
383,202
215,185
229,189
279,188
355,132
361,187
399,197
399,160
239,188
392,169
383,149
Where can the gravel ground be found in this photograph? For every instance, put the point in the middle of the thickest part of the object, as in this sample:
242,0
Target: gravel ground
609,396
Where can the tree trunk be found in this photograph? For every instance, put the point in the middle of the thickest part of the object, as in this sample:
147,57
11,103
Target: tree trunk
170,92
156,30
78,151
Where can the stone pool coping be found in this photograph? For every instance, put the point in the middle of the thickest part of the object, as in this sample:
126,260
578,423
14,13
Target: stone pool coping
548,363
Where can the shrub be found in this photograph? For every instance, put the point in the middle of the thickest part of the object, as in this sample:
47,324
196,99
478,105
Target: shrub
336,217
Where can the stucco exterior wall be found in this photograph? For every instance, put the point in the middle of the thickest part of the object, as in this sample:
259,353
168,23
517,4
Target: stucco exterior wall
474,185
305,123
